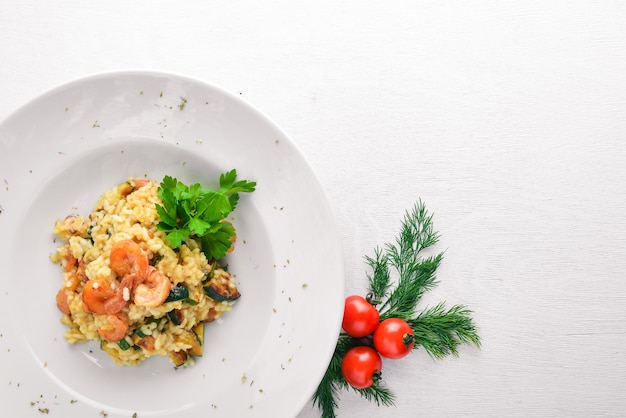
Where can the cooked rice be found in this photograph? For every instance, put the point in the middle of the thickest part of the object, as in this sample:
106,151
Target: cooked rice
127,212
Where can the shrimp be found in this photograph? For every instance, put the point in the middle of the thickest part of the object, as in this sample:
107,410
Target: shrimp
140,182
115,329
127,257
68,261
128,285
132,185
101,299
62,302
147,343
153,290
81,271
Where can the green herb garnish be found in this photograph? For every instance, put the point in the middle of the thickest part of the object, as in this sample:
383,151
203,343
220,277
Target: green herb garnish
198,212
400,275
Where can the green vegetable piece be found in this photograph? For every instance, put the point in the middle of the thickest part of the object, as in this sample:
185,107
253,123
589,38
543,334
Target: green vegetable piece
220,294
177,293
199,213
198,332
208,276
124,345
177,236
176,316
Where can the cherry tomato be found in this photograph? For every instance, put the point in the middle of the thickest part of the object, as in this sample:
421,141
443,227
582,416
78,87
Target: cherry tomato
393,338
360,318
361,366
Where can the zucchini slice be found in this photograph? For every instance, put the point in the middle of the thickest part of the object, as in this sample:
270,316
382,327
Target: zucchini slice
221,293
140,333
198,332
177,293
176,316
221,288
146,343
190,338
124,345
178,358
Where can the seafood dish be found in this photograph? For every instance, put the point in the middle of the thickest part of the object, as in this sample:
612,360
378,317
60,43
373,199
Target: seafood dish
125,286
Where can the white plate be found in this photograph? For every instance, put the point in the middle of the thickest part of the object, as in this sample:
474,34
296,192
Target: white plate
63,149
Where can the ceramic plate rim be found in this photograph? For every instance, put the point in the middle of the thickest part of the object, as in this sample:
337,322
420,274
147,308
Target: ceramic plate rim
338,288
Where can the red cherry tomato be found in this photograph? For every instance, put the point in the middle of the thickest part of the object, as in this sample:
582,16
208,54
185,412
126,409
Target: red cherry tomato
360,318
361,366
393,338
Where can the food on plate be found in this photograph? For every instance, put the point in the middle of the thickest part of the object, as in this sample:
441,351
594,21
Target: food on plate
141,273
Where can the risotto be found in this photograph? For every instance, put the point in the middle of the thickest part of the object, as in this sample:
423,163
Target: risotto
126,287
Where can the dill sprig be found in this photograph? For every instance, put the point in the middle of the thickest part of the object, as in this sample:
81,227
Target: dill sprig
400,275
416,274
441,331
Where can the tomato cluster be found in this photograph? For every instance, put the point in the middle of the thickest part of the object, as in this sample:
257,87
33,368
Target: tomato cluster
391,338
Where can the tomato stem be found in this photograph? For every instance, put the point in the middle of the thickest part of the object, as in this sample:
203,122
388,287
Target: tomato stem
408,339
370,299
377,377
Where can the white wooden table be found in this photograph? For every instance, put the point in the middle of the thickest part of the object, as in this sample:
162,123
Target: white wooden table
506,117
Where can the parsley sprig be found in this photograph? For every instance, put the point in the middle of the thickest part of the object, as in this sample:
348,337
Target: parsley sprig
198,212
400,275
